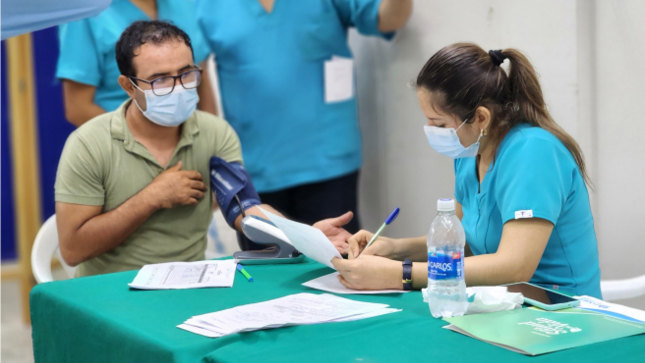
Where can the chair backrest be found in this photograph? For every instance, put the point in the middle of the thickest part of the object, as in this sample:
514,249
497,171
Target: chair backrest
623,289
45,246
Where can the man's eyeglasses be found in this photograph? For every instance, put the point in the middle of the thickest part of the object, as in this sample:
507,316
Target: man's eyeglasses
164,85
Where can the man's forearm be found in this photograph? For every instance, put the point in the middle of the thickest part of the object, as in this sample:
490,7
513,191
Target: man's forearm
255,211
105,231
393,14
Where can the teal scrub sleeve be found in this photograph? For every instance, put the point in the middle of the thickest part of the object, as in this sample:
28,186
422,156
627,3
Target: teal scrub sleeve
79,59
202,20
201,49
361,14
24,16
535,177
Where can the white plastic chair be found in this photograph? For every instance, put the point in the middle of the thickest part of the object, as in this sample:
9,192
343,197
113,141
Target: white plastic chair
45,246
623,289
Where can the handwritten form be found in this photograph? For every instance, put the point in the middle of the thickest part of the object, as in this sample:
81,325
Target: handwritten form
306,239
185,275
330,283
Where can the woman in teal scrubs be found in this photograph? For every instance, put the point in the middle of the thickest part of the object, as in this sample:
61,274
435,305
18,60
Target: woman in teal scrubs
87,64
520,182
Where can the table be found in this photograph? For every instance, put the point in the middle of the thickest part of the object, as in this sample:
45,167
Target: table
99,319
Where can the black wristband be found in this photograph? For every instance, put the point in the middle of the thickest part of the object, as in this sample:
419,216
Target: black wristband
407,275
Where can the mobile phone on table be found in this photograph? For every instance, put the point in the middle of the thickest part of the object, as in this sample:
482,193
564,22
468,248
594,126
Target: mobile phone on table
543,298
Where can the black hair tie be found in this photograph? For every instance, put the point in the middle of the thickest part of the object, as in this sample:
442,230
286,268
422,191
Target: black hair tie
497,56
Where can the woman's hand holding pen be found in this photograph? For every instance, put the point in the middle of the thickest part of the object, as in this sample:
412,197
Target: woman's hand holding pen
383,246
375,269
369,272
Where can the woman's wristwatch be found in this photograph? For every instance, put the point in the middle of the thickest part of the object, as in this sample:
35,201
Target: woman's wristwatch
407,274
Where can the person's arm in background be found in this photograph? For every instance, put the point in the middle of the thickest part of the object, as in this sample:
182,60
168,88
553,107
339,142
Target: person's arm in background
205,90
393,14
79,70
79,102
374,17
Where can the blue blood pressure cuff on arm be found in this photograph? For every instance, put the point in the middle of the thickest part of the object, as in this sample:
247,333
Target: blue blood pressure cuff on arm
227,181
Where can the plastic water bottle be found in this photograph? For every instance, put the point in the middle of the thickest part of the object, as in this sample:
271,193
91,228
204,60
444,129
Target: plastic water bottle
446,240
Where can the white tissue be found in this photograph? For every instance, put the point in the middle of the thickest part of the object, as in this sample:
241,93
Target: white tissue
489,299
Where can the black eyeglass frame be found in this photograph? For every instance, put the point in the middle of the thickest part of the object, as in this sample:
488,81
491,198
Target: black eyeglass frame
174,81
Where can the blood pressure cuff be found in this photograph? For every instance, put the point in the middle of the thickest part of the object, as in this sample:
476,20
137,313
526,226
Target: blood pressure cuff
228,180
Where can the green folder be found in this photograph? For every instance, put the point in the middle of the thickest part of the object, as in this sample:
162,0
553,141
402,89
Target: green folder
533,331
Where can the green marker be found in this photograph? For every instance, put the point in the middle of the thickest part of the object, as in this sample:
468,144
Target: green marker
243,271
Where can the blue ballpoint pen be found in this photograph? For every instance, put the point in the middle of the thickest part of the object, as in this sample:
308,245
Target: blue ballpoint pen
389,220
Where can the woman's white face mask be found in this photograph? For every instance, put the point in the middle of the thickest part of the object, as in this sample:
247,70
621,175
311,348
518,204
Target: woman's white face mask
446,142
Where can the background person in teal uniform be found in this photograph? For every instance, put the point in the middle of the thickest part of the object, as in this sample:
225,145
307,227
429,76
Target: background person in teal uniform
87,64
302,153
520,182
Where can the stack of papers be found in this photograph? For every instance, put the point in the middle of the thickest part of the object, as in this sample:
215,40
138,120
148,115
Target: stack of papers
330,283
298,309
185,275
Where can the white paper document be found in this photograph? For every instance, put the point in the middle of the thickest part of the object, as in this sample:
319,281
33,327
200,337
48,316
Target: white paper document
339,79
330,283
298,309
306,239
185,275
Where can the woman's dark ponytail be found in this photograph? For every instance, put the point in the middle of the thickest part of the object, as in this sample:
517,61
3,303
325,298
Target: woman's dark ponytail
528,104
463,77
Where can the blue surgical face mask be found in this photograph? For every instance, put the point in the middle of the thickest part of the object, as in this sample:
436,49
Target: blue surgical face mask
446,141
171,109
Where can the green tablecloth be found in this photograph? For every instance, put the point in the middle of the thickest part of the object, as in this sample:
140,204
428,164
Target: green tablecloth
99,319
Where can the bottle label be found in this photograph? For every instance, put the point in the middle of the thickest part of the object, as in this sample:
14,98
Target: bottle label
445,265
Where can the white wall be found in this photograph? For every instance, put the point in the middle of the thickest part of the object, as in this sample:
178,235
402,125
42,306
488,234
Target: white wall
619,54
589,55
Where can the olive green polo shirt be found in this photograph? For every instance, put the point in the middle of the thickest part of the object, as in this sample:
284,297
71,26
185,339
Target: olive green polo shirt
103,165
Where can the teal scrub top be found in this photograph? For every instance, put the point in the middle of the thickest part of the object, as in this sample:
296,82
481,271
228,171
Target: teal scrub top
534,173
87,47
271,76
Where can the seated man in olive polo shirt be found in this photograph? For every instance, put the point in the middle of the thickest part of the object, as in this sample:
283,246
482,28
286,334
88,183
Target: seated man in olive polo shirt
132,185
